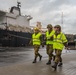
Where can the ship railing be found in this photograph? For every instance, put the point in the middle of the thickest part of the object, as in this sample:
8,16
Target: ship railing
19,36
22,37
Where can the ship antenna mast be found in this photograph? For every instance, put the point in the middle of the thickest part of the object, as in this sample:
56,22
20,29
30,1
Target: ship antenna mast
62,20
18,4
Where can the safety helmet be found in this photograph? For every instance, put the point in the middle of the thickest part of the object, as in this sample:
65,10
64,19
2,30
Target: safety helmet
49,26
57,26
36,28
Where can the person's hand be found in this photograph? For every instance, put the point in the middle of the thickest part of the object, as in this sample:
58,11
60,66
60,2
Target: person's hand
66,48
30,43
66,44
51,38
42,44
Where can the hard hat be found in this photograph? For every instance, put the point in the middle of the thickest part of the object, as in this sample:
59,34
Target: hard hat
36,28
49,26
57,26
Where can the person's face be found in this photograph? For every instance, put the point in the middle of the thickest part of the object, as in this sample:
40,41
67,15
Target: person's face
49,29
57,30
36,31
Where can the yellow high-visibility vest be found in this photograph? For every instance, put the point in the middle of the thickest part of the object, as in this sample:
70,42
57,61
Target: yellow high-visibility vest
36,39
59,40
48,36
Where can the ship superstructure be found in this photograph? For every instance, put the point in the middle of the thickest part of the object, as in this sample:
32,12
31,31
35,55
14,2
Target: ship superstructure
13,20
16,25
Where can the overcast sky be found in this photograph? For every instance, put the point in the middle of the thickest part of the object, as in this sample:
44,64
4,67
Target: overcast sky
47,12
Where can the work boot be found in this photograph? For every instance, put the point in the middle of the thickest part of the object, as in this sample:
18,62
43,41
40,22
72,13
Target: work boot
53,58
55,66
60,64
34,61
48,63
40,58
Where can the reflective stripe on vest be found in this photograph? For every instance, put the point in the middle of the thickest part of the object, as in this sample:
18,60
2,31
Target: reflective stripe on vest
36,39
58,41
59,38
49,41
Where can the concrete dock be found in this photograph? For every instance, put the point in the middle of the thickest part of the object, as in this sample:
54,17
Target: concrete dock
40,68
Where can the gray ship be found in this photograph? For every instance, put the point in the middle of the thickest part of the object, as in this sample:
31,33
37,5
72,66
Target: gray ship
15,28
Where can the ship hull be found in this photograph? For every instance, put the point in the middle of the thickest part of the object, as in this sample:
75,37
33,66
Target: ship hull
14,39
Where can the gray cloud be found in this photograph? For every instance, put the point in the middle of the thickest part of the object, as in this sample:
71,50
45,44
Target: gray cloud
47,11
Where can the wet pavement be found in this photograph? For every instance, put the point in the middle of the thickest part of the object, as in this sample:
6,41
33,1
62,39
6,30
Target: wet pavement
18,61
17,55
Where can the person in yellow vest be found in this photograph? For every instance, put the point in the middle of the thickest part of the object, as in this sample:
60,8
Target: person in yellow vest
59,42
49,42
36,41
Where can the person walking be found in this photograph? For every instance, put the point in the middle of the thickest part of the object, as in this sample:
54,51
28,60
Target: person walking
49,42
59,42
36,41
